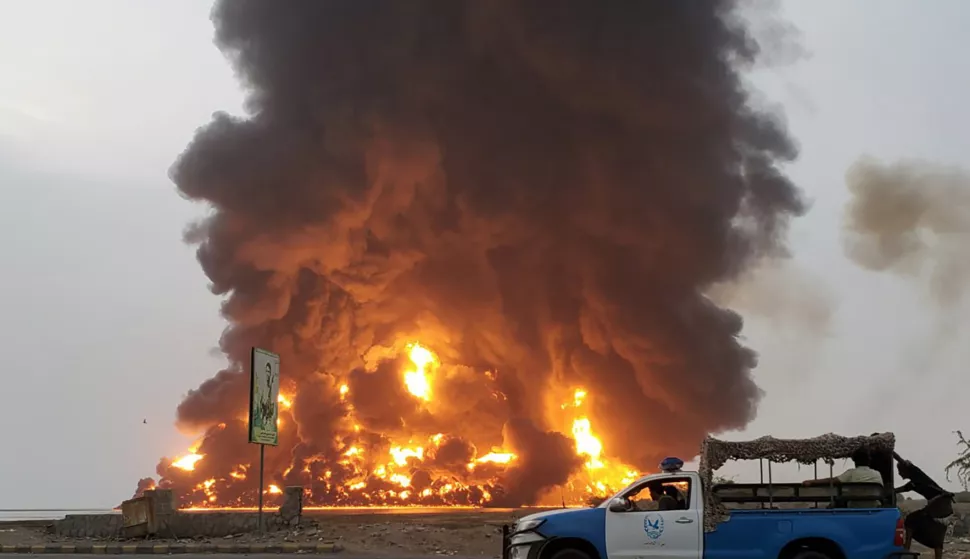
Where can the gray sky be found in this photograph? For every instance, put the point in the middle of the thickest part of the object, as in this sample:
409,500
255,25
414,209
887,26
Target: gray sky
106,316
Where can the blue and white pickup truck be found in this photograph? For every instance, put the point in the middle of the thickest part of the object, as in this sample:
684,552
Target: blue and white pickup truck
630,525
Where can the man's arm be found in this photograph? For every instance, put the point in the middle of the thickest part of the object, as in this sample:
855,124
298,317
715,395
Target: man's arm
903,489
844,477
822,481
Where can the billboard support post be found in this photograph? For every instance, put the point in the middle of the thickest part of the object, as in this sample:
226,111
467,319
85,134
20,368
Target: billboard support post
264,393
259,515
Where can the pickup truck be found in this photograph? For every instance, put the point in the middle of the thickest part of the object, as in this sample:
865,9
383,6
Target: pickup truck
630,525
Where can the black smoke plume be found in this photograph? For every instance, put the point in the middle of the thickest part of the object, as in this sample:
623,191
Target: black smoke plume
537,190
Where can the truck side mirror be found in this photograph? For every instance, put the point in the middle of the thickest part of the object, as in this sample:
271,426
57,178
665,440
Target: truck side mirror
620,504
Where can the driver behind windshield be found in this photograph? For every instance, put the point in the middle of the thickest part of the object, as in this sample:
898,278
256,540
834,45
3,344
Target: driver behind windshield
675,494
664,500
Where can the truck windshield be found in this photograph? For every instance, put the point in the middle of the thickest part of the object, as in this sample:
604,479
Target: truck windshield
656,494
666,494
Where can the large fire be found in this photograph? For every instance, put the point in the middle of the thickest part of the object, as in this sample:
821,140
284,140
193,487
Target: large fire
507,186
396,472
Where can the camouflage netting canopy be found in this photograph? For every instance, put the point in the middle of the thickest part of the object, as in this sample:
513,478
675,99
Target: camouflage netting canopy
715,453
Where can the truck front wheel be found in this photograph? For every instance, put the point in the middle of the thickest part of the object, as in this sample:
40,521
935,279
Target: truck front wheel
570,553
811,554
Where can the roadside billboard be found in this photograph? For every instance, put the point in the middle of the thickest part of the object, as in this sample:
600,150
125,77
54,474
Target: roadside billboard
264,392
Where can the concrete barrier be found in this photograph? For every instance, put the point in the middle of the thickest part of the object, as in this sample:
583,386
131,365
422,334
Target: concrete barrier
164,549
179,524
154,514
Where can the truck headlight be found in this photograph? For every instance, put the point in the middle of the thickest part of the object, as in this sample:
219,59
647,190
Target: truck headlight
526,525
519,552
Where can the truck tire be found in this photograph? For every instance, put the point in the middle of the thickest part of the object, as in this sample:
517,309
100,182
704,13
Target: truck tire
570,553
810,554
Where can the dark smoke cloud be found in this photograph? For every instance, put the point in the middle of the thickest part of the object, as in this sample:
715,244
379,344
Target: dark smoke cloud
911,218
547,460
454,452
543,190
144,484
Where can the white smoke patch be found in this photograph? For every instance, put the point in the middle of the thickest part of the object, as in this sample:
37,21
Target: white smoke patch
787,296
912,219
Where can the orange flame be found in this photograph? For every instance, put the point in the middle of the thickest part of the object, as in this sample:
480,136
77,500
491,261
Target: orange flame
416,379
497,457
187,462
396,463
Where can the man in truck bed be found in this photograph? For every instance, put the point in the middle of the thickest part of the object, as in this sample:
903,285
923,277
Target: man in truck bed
861,473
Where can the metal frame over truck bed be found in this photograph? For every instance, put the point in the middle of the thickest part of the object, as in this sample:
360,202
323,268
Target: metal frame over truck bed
828,448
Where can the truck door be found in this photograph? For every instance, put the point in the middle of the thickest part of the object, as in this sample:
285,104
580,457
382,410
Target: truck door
644,531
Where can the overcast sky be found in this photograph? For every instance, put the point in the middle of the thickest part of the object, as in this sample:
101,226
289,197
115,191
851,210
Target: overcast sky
106,318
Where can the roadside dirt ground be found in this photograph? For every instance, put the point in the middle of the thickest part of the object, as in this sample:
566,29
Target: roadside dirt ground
958,549
465,533
462,533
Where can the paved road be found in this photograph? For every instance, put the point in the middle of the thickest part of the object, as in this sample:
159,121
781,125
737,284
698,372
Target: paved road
338,555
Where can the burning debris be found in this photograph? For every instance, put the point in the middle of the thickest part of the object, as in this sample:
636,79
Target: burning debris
478,234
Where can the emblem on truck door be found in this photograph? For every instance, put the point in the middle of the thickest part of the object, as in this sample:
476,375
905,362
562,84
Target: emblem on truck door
653,525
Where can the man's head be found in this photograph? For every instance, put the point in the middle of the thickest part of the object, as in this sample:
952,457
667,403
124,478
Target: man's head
656,491
861,457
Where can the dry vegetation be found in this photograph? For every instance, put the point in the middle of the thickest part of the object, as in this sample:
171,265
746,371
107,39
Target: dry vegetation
960,467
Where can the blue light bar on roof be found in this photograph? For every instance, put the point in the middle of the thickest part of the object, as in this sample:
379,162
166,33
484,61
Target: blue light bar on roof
671,465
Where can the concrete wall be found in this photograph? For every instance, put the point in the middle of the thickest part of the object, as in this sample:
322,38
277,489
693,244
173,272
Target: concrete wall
154,513
89,526
181,525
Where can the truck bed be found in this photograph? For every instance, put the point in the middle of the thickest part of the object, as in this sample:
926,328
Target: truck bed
796,495
753,534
